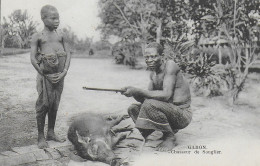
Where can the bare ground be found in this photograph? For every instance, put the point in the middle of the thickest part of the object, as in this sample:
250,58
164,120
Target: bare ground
233,130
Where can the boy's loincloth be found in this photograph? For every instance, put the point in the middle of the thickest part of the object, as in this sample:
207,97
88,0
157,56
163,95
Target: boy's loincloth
53,62
49,93
163,116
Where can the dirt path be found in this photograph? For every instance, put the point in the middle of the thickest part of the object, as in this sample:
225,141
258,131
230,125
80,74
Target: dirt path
232,130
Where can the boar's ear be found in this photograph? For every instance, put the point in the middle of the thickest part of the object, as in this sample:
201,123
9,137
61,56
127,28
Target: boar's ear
83,140
92,152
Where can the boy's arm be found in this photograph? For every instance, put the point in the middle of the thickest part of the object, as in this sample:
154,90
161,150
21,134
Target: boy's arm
67,63
67,50
34,49
61,75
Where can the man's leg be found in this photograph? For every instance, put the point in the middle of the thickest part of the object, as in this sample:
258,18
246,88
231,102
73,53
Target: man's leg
160,116
146,132
133,112
168,142
40,118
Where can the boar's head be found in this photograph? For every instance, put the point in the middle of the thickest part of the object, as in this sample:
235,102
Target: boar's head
97,149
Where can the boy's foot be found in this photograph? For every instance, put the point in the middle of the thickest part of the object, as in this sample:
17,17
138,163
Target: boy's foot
54,137
42,144
168,143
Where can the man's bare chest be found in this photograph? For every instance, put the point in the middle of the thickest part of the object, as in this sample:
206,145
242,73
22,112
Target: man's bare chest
157,80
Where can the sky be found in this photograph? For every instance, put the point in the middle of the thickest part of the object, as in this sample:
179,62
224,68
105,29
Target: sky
80,15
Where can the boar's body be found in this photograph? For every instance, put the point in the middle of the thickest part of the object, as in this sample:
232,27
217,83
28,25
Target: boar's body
93,138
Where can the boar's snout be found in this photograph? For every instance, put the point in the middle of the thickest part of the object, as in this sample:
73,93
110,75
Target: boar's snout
118,162
115,162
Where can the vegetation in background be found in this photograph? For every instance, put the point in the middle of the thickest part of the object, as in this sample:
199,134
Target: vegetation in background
137,21
180,26
76,44
236,23
14,51
18,29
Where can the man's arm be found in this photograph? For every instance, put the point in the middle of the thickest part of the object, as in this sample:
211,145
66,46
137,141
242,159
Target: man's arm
34,49
150,88
168,85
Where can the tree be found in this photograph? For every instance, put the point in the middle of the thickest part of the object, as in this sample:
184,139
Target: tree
144,20
76,44
20,26
236,23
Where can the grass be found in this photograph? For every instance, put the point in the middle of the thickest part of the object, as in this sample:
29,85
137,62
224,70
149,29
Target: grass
14,51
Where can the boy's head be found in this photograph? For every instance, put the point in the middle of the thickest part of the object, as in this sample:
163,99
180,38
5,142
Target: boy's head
153,55
50,17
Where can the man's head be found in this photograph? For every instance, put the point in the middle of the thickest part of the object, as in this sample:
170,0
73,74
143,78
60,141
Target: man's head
50,17
153,55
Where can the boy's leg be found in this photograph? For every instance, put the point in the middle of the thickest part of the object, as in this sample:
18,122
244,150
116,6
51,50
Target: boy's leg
41,111
40,117
51,124
52,114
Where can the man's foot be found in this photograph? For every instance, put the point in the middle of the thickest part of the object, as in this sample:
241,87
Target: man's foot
52,136
168,143
165,135
42,144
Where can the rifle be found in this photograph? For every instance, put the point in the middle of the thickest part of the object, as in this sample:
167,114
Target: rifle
101,89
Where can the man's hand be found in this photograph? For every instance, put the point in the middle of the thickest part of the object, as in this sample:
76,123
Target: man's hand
131,91
56,77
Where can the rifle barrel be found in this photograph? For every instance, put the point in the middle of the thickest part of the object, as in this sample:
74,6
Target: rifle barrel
103,89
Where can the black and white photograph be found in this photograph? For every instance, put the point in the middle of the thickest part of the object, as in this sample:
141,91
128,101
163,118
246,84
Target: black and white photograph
129,82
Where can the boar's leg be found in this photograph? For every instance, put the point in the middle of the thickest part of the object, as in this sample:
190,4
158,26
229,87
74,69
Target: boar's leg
119,137
124,129
72,136
114,120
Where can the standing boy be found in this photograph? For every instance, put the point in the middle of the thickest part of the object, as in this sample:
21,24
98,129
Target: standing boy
50,56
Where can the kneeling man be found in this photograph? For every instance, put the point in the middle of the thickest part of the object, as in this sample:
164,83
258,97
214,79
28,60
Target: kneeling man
165,106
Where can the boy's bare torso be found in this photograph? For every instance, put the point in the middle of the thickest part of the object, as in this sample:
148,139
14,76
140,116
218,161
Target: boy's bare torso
50,42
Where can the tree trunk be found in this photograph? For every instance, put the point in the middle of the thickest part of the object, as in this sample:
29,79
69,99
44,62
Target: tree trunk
159,32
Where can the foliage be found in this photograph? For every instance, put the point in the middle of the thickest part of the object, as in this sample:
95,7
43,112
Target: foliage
205,76
144,20
125,52
14,51
76,44
180,25
102,45
19,28
235,21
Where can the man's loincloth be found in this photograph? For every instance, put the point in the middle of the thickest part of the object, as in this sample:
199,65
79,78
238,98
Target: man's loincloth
49,93
162,116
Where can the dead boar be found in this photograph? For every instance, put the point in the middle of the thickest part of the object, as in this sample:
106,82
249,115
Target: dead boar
94,139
